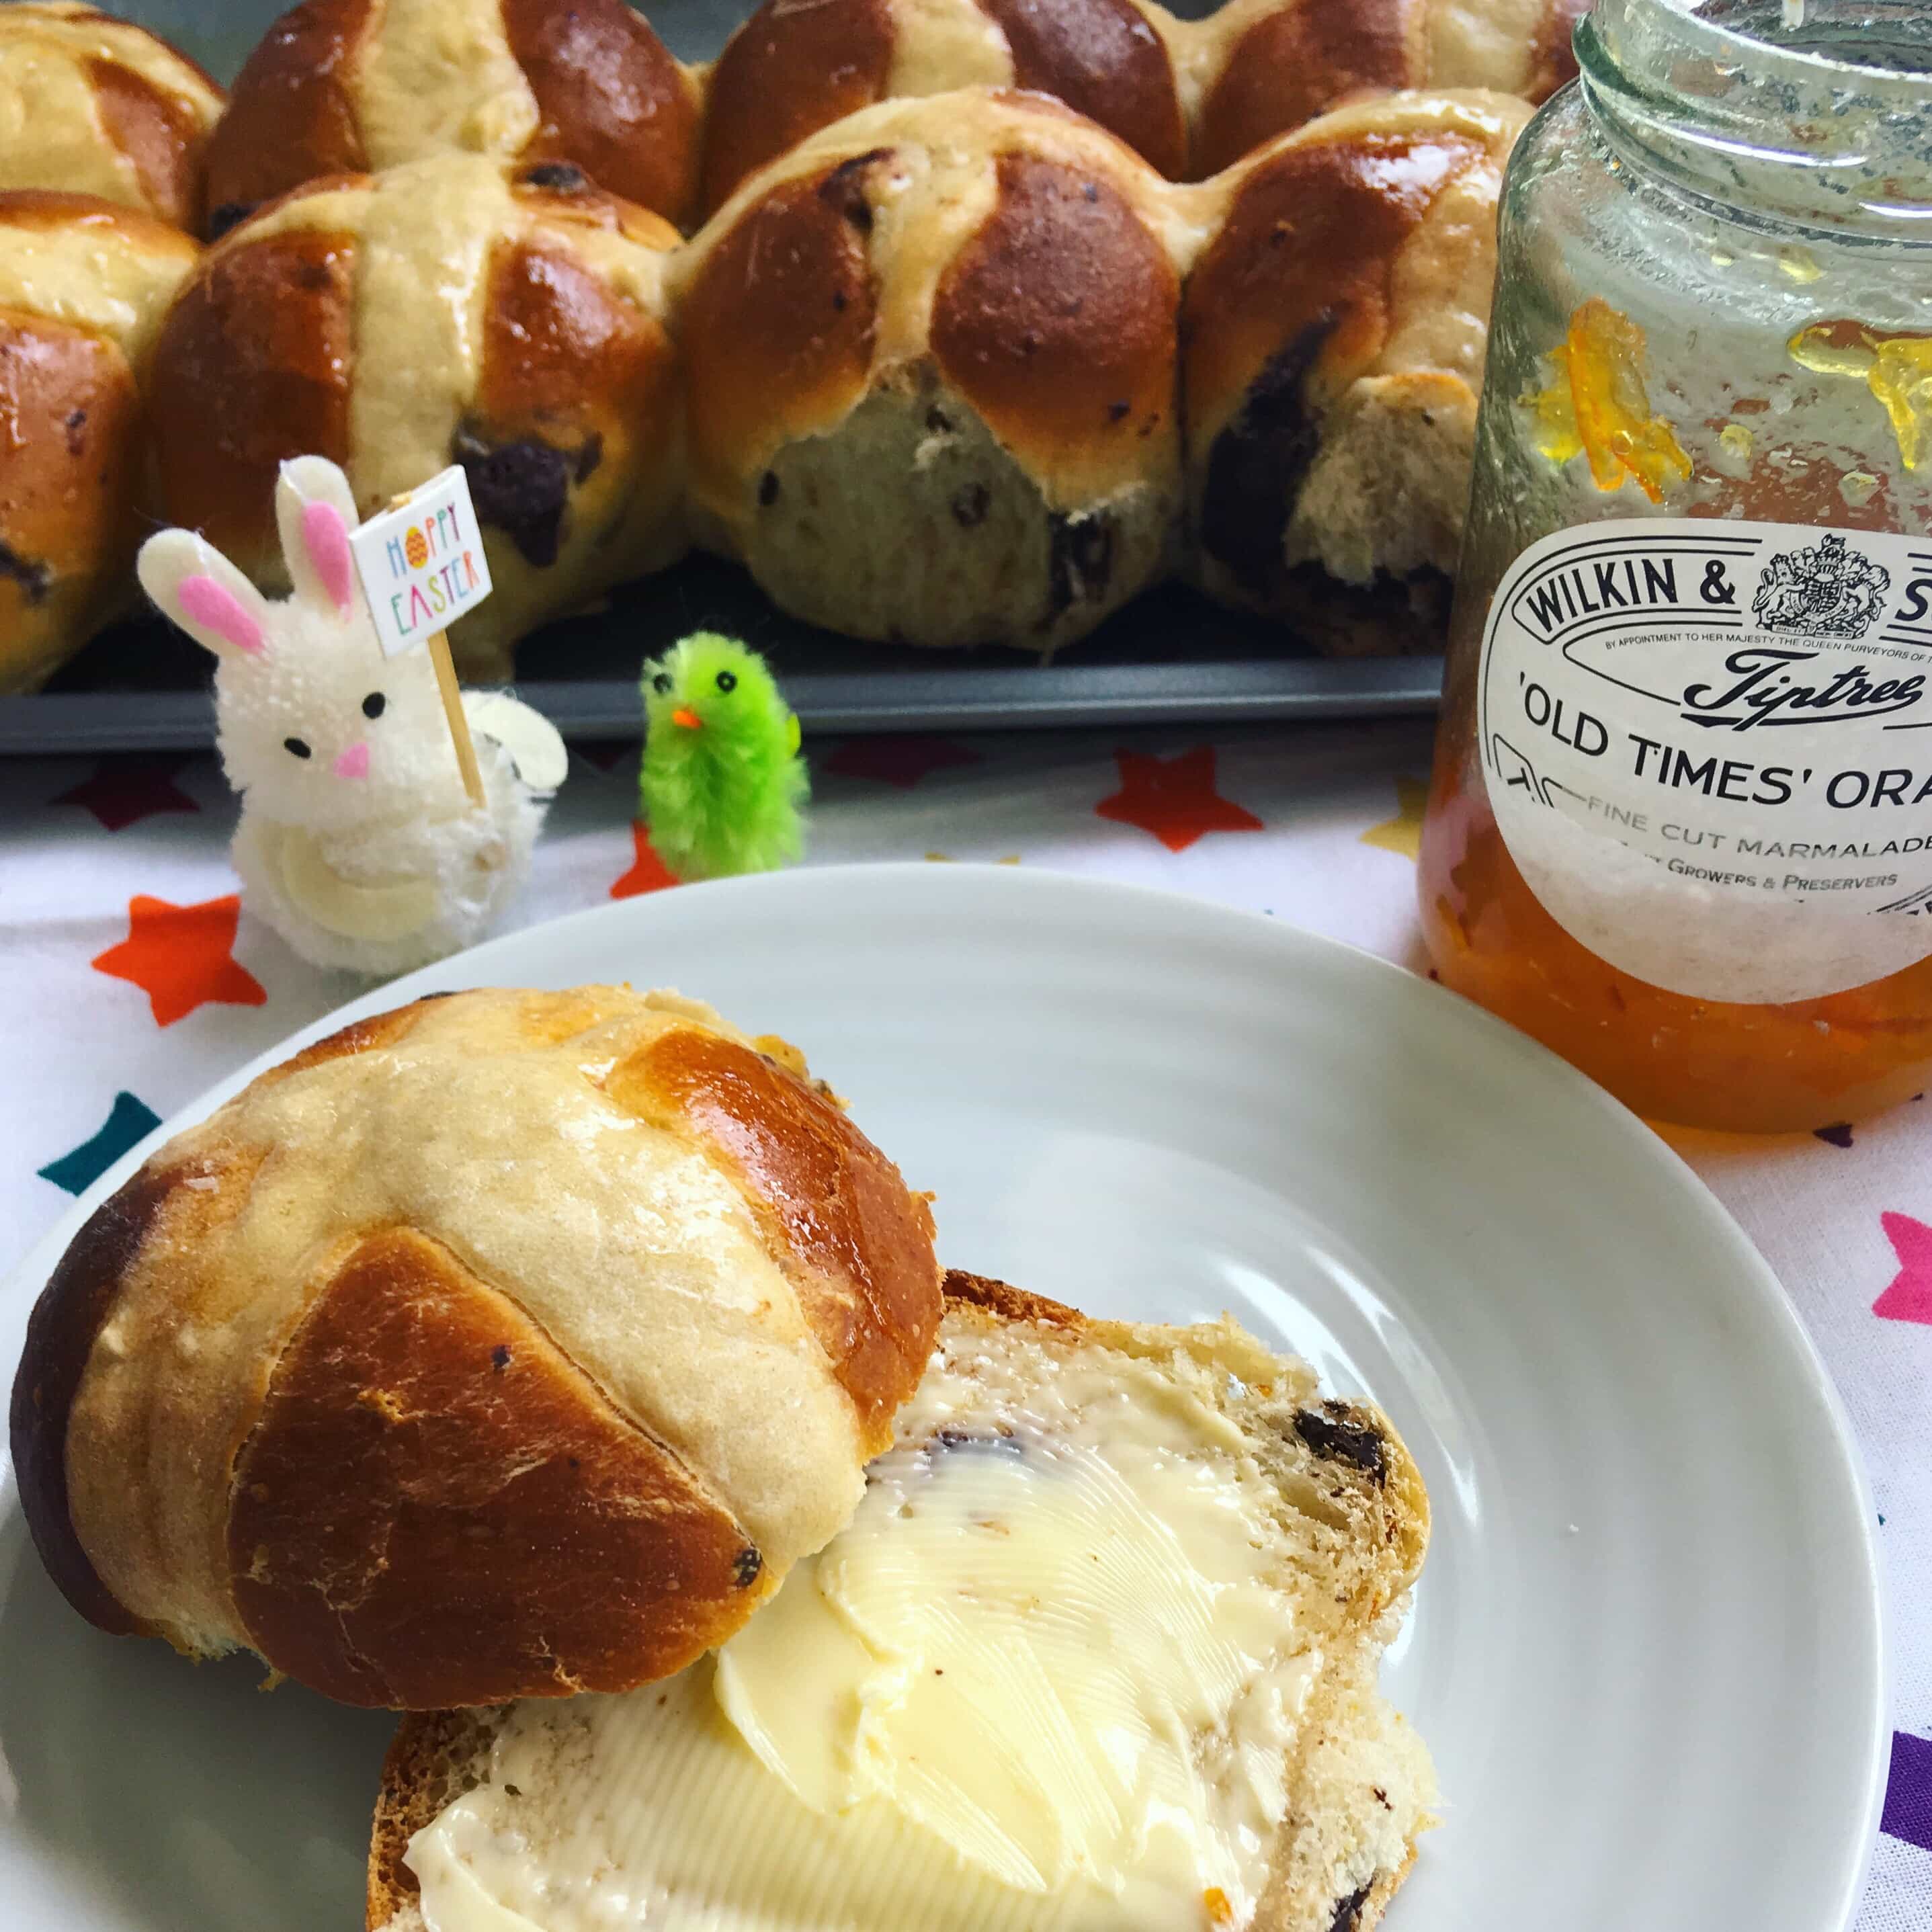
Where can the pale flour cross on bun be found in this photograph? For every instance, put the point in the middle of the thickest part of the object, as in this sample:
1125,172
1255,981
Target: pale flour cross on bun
819,1774
509,1344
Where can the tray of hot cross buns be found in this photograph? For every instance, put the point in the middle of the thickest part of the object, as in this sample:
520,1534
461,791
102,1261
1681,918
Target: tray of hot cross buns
986,362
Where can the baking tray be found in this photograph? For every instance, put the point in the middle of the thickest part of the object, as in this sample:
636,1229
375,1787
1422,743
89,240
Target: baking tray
1171,656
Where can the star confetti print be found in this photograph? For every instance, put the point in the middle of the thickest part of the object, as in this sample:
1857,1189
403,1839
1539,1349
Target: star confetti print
1174,799
1909,1297
648,872
897,759
182,957
1908,1796
129,1120
124,791
1402,834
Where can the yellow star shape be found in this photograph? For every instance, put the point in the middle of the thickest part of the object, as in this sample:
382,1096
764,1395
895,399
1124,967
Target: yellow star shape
1403,833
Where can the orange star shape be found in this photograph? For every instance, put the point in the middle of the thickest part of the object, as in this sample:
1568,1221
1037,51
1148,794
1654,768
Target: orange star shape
1173,798
648,873
182,957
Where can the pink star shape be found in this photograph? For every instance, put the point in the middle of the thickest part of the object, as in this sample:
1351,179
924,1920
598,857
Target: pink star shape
1909,1298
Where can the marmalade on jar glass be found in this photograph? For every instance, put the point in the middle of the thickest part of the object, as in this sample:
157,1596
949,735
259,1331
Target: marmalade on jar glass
1680,824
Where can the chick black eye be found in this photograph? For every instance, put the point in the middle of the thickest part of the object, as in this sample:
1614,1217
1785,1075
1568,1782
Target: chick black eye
727,681
661,684
295,745
372,705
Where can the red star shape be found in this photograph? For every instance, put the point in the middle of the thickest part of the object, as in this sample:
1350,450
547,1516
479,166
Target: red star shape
182,957
606,753
123,791
649,874
1173,798
1909,1297
898,759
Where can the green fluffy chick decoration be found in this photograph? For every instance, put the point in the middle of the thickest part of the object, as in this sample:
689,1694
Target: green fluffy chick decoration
722,786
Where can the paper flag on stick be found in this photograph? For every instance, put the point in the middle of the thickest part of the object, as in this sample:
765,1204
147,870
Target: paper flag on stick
422,566
421,563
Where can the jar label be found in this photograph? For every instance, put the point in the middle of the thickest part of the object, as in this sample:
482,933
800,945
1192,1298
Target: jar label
1707,745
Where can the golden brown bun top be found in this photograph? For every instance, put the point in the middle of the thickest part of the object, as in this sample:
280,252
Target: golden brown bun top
97,105
91,264
262,352
1190,97
1361,228
337,86
510,1343
1034,255
790,69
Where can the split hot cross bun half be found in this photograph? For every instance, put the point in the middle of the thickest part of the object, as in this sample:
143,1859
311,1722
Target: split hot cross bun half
509,317
510,1344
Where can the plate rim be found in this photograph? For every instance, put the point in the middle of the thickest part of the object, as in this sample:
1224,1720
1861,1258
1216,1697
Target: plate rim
1766,1297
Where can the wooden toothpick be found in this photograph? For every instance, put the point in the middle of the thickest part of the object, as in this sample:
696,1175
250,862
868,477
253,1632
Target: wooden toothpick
459,722
452,700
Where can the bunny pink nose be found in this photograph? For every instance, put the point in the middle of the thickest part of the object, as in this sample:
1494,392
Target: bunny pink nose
354,763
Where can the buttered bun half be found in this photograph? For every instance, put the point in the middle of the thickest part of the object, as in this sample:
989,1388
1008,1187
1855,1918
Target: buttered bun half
1097,1652
510,1344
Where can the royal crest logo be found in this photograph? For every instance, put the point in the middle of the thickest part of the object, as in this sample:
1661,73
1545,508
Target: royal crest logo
1826,590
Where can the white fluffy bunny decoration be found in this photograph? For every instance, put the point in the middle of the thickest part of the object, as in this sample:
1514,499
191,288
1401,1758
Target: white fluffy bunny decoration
357,842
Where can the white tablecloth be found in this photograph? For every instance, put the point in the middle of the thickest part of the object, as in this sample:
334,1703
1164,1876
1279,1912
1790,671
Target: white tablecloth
128,983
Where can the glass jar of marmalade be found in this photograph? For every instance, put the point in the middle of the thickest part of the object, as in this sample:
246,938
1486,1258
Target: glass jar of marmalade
1680,824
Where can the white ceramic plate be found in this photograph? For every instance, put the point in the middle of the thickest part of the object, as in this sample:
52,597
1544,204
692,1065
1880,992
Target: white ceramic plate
1647,1647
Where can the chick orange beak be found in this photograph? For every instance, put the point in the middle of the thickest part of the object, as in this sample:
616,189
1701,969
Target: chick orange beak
689,720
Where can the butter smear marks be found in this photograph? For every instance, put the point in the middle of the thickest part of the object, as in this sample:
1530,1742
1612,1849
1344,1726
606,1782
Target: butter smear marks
1707,745
1050,1675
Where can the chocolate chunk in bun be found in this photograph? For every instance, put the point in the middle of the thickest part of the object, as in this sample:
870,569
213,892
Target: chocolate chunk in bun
512,1344
92,105
348,86
1335,330
931,357
84,284
545,369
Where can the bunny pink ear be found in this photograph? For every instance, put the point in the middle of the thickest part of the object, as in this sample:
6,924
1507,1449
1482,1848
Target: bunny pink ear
315,511
215,607
325,537
202,592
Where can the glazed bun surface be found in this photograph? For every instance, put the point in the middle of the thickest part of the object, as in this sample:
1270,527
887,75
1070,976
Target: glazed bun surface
92,105
84,285
542,365
1336,328
931,355
509,1344
354,86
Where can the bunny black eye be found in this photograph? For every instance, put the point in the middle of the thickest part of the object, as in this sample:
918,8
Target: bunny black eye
661,684
727,680
372,705
295,745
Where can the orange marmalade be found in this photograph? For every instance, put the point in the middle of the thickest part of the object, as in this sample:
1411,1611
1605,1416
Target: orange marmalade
1680,825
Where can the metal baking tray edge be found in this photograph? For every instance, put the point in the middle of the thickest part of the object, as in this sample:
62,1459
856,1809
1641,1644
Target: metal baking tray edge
980,699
